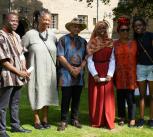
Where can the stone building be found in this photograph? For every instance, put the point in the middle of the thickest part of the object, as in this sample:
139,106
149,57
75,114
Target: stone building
64,10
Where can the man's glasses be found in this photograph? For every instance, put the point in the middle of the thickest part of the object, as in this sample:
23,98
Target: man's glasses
124,30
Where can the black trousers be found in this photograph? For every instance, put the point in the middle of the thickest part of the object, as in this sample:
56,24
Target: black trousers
9,96
70,95
123,96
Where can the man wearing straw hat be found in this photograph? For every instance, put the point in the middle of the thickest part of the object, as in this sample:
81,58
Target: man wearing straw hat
71,51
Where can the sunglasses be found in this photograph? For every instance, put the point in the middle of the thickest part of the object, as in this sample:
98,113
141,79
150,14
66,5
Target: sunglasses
124,30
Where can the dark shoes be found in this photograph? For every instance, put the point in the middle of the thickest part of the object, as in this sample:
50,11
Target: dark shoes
43,125
131,123
21,130
76,123
38,126
62,125
150,123
4,134
46,125
121,122
140,123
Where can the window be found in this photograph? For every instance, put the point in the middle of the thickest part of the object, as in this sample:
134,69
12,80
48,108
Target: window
54,21
94,21
84,19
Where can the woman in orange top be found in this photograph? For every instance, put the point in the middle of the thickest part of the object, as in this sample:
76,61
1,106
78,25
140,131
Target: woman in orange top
125,71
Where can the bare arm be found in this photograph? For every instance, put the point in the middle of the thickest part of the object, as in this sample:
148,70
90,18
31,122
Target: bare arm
65,63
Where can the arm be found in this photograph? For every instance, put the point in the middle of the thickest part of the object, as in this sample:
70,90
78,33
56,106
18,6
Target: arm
74,71
6,64
85,57
92,69
111,68
61,54
91,66
5,58
61,58
65,63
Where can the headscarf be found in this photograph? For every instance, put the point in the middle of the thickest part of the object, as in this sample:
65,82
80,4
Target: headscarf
98,42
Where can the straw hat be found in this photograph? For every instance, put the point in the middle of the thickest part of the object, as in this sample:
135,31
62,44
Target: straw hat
76,21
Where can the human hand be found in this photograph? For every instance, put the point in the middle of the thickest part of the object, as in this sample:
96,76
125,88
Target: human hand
75,71
96,78
24,74
108,78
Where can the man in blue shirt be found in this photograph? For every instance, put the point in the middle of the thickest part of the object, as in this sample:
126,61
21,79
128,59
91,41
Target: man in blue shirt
71,51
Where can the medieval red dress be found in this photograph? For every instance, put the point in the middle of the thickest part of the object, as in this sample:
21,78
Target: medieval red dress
101,95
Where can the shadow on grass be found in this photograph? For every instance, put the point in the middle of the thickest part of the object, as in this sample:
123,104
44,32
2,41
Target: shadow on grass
26,113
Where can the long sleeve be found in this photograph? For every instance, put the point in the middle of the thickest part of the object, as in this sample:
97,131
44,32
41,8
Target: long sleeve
111,68
91,66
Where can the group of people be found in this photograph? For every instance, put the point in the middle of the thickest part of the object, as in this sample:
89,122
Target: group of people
124,63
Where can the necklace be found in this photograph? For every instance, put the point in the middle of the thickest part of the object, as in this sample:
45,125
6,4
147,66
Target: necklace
46,37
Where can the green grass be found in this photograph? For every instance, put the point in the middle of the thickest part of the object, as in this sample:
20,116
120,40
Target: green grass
26,118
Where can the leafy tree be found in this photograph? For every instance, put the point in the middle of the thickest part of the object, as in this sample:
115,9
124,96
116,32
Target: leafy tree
133,8
27,7
89,2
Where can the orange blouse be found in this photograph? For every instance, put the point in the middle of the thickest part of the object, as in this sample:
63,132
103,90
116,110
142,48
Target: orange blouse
125,57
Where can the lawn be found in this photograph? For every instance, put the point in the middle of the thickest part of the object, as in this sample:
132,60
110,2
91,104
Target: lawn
26,118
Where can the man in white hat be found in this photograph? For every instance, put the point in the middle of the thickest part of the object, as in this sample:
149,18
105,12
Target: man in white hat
71,51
